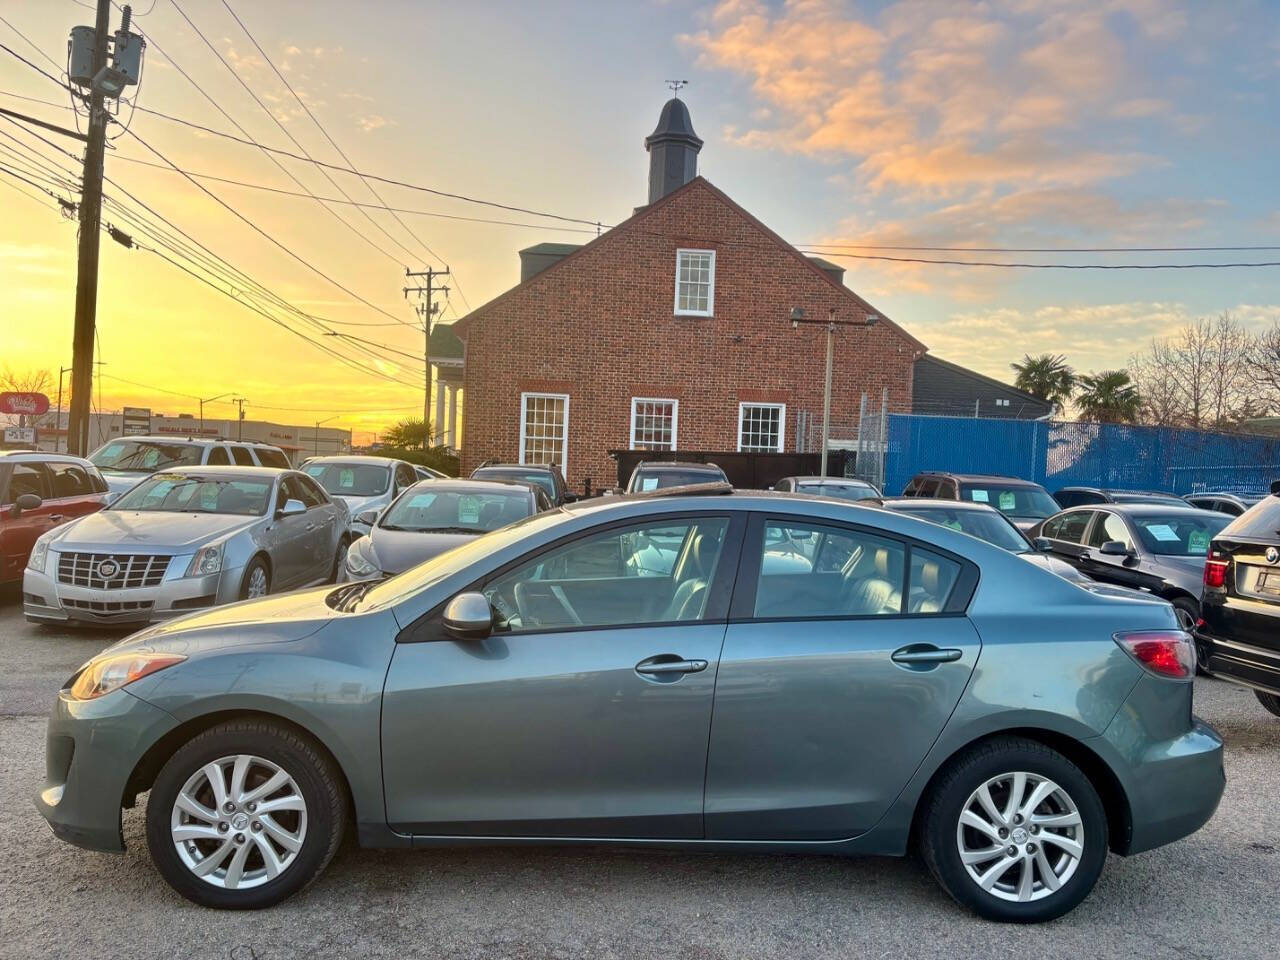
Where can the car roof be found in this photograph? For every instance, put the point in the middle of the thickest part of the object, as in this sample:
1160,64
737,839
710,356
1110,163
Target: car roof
852,481
184,438
678,465
930,503
977,477
356,459
1141,509
23,456
478,486
228,471
548,467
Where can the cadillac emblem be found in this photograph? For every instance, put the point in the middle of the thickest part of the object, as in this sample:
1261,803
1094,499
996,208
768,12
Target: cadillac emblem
1273,555
108,569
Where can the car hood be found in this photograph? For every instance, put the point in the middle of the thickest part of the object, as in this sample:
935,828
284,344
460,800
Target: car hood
398,550
357,504
289,616
150,530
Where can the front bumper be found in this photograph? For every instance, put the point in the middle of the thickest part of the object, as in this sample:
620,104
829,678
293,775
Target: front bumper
91,749
45,600
1169,764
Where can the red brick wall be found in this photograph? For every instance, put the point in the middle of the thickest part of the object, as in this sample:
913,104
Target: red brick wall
600,326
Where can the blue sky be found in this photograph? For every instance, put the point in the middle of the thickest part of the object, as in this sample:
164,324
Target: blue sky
1014,123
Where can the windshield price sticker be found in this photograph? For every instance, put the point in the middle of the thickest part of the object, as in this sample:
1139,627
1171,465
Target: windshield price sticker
1007,501
1162,531
468,510
346,478
648,483
420,501
979,496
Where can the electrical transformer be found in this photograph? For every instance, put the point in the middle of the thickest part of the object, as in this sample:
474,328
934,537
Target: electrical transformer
80,56
128,55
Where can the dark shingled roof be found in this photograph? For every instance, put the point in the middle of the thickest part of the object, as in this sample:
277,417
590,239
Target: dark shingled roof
445,343
552,249
674,124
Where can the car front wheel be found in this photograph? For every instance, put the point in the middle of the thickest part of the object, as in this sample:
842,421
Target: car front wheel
245,815
1014,831
1269,701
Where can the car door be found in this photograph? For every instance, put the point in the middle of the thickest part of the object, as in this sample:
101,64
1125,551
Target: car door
322,515
19,531
1113,568
836,677
586,712
292,539
1066,534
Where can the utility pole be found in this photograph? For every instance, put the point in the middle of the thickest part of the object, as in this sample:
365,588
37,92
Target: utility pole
57,439
797,318
87,270
426,310
239,402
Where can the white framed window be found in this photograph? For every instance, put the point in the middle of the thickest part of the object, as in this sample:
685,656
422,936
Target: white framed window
544,428
653,423
761,427
695,283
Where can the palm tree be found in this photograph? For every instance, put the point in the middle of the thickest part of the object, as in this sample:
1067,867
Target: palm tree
1108,397
1047,376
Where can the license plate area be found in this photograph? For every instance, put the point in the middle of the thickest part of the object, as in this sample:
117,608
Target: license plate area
1268,583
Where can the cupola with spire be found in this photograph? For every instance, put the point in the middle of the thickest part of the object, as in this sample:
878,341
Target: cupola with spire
673,150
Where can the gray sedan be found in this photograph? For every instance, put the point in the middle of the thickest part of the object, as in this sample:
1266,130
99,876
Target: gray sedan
896,682
184,539
437,515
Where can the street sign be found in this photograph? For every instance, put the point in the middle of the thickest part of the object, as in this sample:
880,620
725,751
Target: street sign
137,421
24,404
23,435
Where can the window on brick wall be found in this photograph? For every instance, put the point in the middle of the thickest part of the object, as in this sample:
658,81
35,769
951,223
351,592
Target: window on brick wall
653,423
761,426
695,283
544,428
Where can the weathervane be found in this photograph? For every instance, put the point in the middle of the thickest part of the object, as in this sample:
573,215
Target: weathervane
675,86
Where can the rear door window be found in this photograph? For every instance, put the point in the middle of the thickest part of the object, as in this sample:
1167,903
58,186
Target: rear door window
815,570
242,457
218,457
1108,528
271,457
933,578
1068,527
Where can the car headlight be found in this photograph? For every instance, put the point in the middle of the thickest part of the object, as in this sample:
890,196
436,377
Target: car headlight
101,675
360,559
39,554
207,560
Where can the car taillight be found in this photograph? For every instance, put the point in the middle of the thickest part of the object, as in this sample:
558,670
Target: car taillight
1166,653
1215,570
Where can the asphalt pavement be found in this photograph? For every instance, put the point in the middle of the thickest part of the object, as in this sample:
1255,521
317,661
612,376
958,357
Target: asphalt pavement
1216,894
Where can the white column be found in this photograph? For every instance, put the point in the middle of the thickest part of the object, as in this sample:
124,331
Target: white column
439,424
453,415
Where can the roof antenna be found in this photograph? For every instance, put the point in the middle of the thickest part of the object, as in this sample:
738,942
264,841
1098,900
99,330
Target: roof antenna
675,86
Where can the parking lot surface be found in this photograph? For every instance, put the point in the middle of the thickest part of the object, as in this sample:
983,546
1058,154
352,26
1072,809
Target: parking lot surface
1216,894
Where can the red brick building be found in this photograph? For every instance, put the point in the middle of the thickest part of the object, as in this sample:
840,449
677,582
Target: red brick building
670,331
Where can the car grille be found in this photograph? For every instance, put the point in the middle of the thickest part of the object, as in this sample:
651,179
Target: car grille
131,570
107,607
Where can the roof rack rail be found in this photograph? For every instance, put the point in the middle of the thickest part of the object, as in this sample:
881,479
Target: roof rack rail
714,489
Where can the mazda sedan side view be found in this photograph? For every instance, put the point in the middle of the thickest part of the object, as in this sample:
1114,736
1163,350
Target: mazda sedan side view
184,539
538,685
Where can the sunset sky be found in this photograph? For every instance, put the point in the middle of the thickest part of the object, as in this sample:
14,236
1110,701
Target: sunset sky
1023,123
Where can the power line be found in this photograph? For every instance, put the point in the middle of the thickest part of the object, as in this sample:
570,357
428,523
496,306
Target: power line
872,246
1047,266
37,69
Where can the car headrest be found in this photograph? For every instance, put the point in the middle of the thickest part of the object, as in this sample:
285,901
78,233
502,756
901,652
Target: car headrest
882,563
929,576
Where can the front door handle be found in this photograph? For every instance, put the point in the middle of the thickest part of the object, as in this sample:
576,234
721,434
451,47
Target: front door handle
667,664
921,653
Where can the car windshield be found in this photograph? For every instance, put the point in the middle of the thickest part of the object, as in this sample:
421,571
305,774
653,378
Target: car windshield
456,511
392,591
1025,503
187,493
841,491
536,477
350,479
1179,534
145,456
661,479
984,524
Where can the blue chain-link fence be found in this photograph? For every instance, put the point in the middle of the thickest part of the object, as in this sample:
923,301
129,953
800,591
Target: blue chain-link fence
1059,454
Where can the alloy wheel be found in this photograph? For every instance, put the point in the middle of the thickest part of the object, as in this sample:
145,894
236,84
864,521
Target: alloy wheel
257,583
1020,837
239,822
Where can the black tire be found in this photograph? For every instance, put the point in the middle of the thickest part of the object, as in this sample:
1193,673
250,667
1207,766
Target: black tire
339,558
1270,702
946,801
319,783
1188,612
257,563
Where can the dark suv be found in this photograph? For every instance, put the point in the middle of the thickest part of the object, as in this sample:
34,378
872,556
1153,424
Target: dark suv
1087,496
1239,634
1023,502
661,474
547,476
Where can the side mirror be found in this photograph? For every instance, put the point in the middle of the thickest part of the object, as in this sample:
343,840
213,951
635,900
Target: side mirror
468,616
1114,548
112,498
26,501
367,517
291,508
1042,544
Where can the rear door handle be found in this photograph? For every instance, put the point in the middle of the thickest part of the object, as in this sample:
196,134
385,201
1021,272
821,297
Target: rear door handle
659,666
924,654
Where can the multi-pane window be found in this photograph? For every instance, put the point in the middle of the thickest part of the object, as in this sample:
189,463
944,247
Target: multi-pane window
760,426
653,423
695,282
544,428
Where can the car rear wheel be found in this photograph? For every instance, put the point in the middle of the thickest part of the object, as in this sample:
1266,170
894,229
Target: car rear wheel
1014,831
1269,701
339,559
245,815
257,580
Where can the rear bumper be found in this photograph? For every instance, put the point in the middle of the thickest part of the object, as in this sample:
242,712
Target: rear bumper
91,749
1243,663
1171,771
